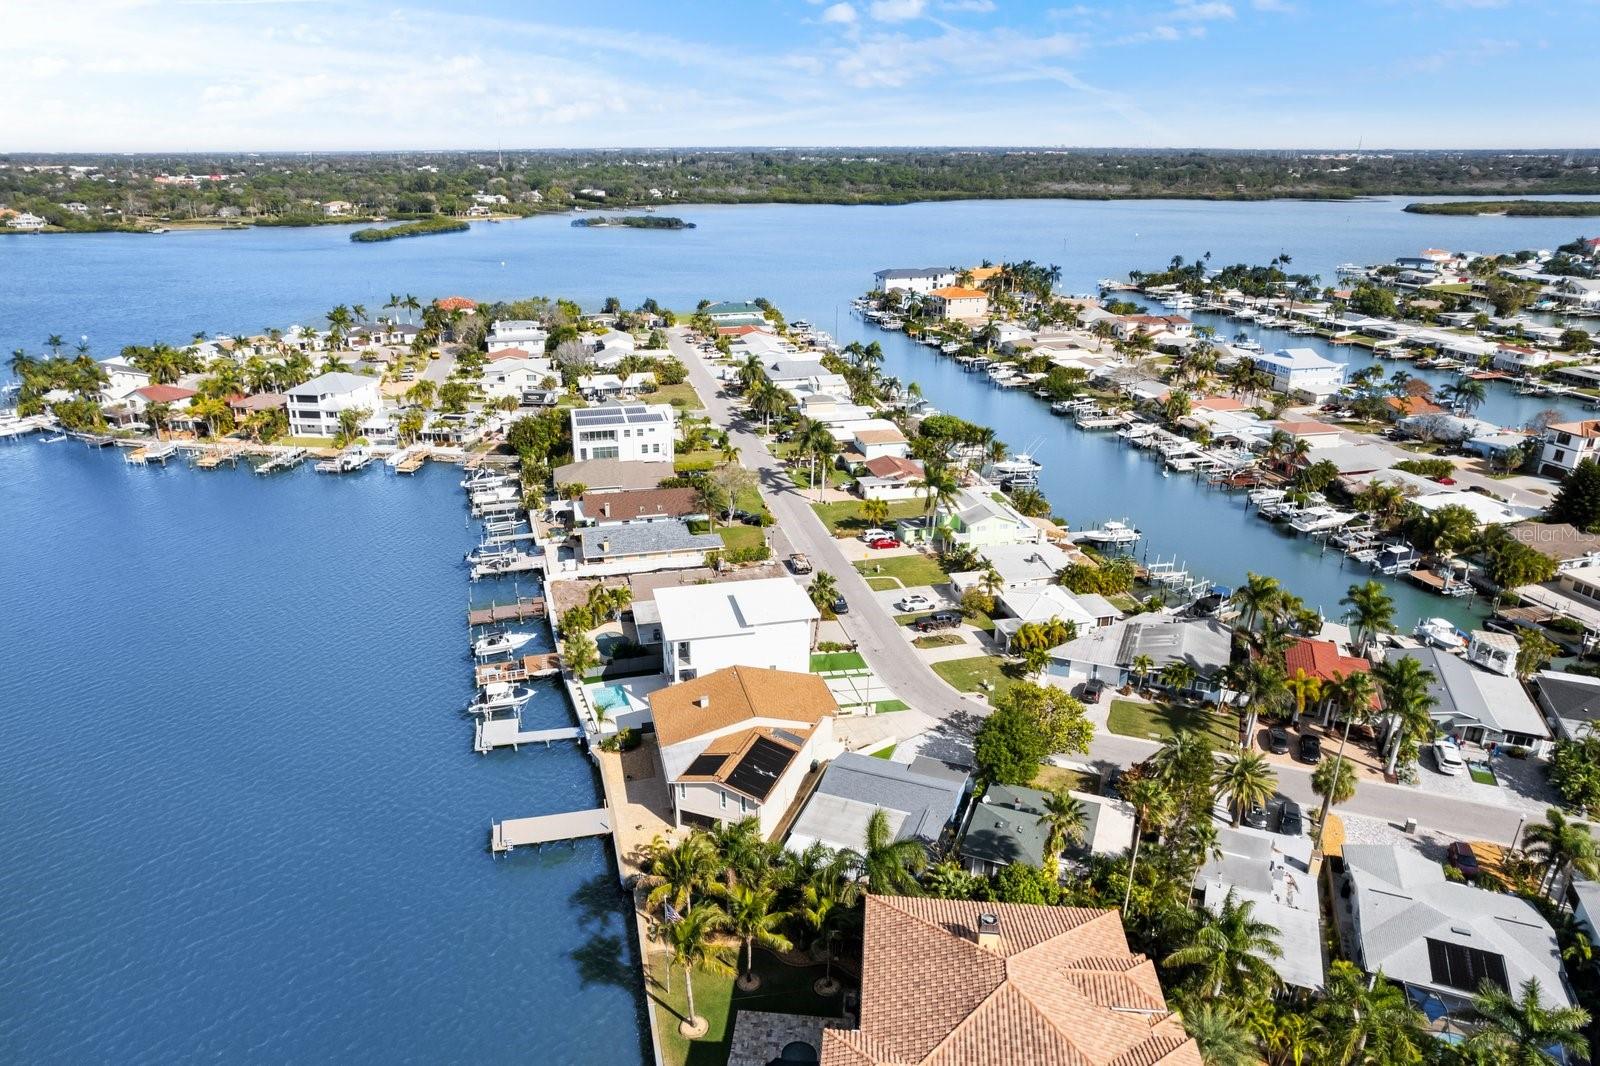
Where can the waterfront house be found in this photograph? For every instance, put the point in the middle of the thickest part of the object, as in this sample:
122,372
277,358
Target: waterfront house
917,280
245,406
736,313
920,801
174,396
1128,327
1107,653
1520,359
636,505
890,477
612,475
959,304
875,438
1477,707
337,208
967,983
1271,872
1397,407
626,432
1315,434
515,375
600,388
314,407
26,222
802,377
737,743
770,624
643,587
1028,565
1040,604
637,547
1566,444
1440,939
1301,371
122,377
1570,702
1495,652
1565,545
979,519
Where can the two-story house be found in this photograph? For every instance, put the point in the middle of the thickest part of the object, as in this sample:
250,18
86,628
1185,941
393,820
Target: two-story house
314,407
767,623
633,432
1566,444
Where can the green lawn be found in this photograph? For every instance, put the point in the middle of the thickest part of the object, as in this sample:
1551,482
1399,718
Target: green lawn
1159,721
784,990
971,675
682,396
690,462
1050,778
1482,775
889,706
882,584
830,662
844,516
938,640
735,537
912,570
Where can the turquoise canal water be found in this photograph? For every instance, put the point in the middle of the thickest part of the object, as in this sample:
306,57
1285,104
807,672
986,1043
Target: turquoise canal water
242,818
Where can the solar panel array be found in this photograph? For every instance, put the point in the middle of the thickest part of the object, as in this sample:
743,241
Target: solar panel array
758,771
622,414
706,765
1458,966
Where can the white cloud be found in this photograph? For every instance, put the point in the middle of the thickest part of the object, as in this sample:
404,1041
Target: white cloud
897,10
982,7
1279,6
841,13
1196,11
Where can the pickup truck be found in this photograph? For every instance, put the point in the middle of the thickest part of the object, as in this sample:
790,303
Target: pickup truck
799,563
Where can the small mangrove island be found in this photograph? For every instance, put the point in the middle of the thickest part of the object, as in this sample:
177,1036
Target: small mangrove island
421,228
1517,208
635,221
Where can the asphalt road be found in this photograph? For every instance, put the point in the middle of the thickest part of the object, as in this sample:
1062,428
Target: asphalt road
937,706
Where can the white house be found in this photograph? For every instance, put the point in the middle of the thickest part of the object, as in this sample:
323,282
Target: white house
26,222
875,438
336,208
634,432
314,407
738,743
1519,358
1108,653
514,377
769,623
1566,444
517,333
918,280
1477,707
616,386
1301,370
1272,872
122,377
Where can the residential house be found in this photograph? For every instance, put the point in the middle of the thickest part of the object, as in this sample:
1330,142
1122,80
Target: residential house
1107,653
769,623
628,432
638,546
1004,828
315,406
740,313
1315,434
1565,545
1040,604
891,477
1570,702
26,222
876,438
1272,873
1028,565
920,802
1520,359
1477,707
601,388
1575,594
964,983
245,406
174,396
612,475
956,303
636,505
516,333
737,743
980,520
1566,444
1440,939
1128,327
336,208
511,372
1301,371
918,280
801,377
122,377
1397,407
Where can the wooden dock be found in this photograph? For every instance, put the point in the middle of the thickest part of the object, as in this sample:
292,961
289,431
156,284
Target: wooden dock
515,563
548,828
514,670
508,733
411,463
284,461
523,609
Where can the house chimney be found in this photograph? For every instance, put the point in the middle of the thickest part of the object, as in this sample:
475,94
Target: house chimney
605,510
988,931
702,701
605,545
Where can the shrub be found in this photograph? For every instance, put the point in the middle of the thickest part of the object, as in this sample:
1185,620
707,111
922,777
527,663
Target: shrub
622,740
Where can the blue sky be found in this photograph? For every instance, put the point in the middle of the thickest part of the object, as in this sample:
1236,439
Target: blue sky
145,75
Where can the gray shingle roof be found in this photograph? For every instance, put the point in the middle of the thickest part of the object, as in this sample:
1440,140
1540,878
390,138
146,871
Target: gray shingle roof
867,784
1004,827
647,538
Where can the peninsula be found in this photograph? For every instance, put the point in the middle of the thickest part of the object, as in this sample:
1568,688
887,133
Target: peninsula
632,222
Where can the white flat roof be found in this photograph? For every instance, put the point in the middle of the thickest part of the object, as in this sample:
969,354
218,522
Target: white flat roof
690,612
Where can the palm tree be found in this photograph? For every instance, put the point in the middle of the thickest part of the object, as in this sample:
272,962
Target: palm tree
1231,950
690,941
1335,781
1150,799
1352,693
1560,843
679,871
753,917
1063,821
1261,686
213,411
1247,780
1257,596
1371,610
824,590
1361,1019
875,512
1406,697
890,866
1521,1032
1306,689
739,848
1178,676
1141,666
1220,1034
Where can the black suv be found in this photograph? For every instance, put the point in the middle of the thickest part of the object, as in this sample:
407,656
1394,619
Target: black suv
1310,747
1291,822
1092,689
937,620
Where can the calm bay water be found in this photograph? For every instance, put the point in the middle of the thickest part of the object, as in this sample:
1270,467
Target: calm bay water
242,818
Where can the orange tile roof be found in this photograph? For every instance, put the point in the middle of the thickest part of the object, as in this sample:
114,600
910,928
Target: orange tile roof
1323,660
509,353
892,466
456,303
1059,988
1412,405
983,274
740,331
1220,403
1301,428
957,292
164,393
737,694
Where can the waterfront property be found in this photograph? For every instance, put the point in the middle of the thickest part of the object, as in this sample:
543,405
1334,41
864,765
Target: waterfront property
1015,983
636,505
1566,444
612,475
955,303
920,801
1272,873
1478,707
635,547
1301,371
916,280
738,742
625,432
1108,653
315,406
768,623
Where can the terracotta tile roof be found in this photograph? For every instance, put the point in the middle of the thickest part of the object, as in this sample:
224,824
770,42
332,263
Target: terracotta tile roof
639,503
456,303
957,292
1322,659
164,393
1060,988
737,694
983,274
1220,403
892,466
1297,429
509,353
1412,405
740,331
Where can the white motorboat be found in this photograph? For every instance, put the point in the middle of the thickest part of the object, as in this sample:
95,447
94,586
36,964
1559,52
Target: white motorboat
1115,533
493,494
500,696
484,478
499,643
1441,633
1020,468
1320,519
489,553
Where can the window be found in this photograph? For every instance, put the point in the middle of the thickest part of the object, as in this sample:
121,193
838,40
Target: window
1561,456
600,434
724,796
605,453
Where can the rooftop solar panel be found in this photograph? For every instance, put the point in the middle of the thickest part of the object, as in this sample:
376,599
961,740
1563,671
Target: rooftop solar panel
706,765
760,768
1458,966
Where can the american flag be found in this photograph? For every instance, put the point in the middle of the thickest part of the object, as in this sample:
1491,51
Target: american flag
670,913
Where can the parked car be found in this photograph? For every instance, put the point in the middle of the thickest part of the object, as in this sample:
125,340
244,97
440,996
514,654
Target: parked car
876,534
1278,740
1291,820
937,620
1463,858
915,602
1448,757
746,518
1092,689
1310,747
1256,817
883,542
839,606
799,563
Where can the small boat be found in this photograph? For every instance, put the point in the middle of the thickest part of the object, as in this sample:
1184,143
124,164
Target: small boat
484,479
499,643
1441,633
489,553
1111,533
500,696
1019,469
1320,519
57,439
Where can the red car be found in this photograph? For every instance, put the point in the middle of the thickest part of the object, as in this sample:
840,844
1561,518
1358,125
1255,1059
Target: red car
883,542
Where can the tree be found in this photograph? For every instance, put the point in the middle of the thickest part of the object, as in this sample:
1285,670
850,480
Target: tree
875,512
1178,676
1247,780
1220,1033
1021,882
581,655
753,917
1063,821
1578,502
732,482
350,421
1230,951
824,589
1352,693
1150,800
678,871
1335,781
1560,843
1534,652
690,941
1575,771
1405,683
1371,610
890,866
1009,747
1521,1031
1258,595
1366,1020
